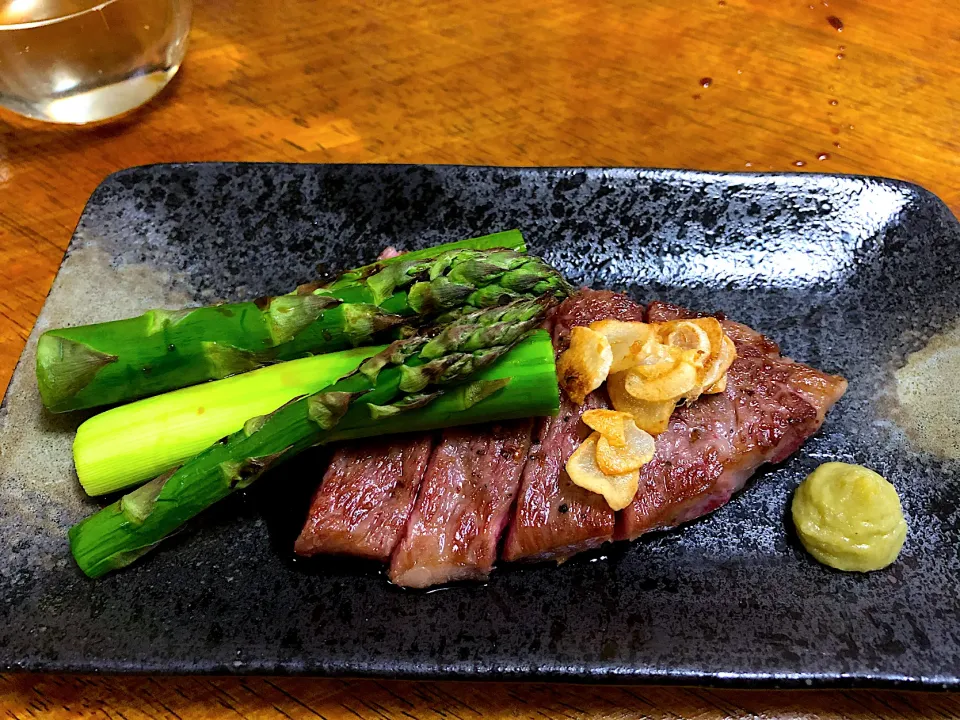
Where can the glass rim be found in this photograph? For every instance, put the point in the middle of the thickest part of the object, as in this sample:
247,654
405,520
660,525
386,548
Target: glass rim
97,5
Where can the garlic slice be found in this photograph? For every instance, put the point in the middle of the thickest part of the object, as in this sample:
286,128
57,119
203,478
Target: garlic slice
617,490
609,423
634,454
584,365
651,417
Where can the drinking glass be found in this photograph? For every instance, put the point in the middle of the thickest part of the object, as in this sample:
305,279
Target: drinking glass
79,61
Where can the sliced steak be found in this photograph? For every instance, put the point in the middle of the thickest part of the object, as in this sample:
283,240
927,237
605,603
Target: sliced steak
713,446
587,306
362,506
463,505
554,518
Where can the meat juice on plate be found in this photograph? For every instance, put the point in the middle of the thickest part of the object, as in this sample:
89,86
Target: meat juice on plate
79,61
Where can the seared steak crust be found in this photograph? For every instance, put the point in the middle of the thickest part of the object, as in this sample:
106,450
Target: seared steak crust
438,516
713,446
463,505
363,503
554,518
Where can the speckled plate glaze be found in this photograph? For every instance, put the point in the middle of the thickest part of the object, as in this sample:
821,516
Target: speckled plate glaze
850,274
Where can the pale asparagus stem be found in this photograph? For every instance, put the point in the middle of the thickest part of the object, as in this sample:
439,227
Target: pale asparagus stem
458,379
132,443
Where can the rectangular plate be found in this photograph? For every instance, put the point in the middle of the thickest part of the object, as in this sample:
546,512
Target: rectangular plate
849,274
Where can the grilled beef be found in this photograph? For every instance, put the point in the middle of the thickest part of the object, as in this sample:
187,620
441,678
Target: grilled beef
554,518
713,446
362,506
372,502
463,505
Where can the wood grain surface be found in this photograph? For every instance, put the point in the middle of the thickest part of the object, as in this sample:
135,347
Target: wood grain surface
762,85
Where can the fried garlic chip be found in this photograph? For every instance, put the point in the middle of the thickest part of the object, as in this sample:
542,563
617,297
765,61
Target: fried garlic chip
636,452
609,423
584,365
617,490
718,387
628,341
651,417
700,336
716,379
677,382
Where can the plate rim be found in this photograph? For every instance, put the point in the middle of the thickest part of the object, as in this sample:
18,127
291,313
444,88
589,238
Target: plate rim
413,670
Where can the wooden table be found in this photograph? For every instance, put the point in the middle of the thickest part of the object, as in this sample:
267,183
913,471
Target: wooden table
713,84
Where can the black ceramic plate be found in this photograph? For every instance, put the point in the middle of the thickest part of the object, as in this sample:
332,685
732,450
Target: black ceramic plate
850,274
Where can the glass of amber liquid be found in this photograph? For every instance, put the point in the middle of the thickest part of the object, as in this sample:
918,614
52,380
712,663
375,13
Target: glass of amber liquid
80,61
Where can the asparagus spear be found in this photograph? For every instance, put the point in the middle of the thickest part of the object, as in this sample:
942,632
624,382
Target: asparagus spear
406,387
132,443
163,350
507,240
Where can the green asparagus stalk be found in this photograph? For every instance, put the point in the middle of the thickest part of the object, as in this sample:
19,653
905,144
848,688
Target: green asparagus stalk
507,240
132,443
163,350
488,365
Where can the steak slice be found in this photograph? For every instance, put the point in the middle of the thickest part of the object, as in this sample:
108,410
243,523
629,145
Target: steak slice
554,518
365,498
587,306
713,446
463,505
